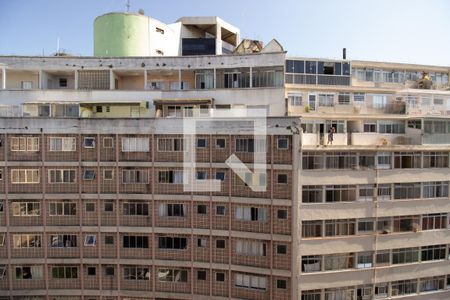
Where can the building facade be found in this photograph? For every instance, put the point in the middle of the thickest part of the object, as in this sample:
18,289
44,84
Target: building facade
93,206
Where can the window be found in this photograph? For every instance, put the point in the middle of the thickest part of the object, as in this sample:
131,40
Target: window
340,227
311,295
281,284
201,209
282,179
89,206
26,209
344,98
381,290
282,143
406,190
249,281
89,142
135,145
135,209
295,100
252,248
90,240
311,229
62,82
170,144
201,275
159,30
406,223
434,221
359,97
383,257
435,252
24,144
201,243
201,175
404,287
134,176
435,160
384,192
326,99
91,271
26,241
365,193
61,176
220,244
438,189
405,255
365,260
311,263
172,210
108,142
176,176
250,213
312,194
172,243
407,160
340,193
31,272
99,109
65,144
432,284
24,176
108,174
201,143
136,273
89,175
339,261
220,143
220,176
370,127
391,127
62,209
379,101
109,271
365,226
172,275
383,161
132,241
108,206
64,272
220,276
282,214
63,240
250,145
367,160
26,85
281,249
109,240
220,210
340,160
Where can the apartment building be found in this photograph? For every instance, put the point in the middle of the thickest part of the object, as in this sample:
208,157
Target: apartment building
93,202
373,205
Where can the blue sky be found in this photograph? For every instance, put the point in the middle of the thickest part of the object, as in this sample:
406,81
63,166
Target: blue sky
386,30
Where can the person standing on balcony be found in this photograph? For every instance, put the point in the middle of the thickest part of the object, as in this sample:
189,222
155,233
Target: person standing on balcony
331,132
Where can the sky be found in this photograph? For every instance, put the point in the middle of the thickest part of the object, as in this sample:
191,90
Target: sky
410,31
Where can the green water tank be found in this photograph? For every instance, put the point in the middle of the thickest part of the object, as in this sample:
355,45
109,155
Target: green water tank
121,34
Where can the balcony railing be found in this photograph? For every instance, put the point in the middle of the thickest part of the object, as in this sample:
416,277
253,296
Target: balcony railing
317,79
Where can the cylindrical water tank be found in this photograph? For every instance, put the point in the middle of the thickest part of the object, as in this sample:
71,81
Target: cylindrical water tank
121,34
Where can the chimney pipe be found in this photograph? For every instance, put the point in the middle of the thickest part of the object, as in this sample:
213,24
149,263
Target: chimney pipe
344,53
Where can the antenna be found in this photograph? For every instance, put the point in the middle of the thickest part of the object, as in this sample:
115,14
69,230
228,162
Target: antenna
128,5
57,45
